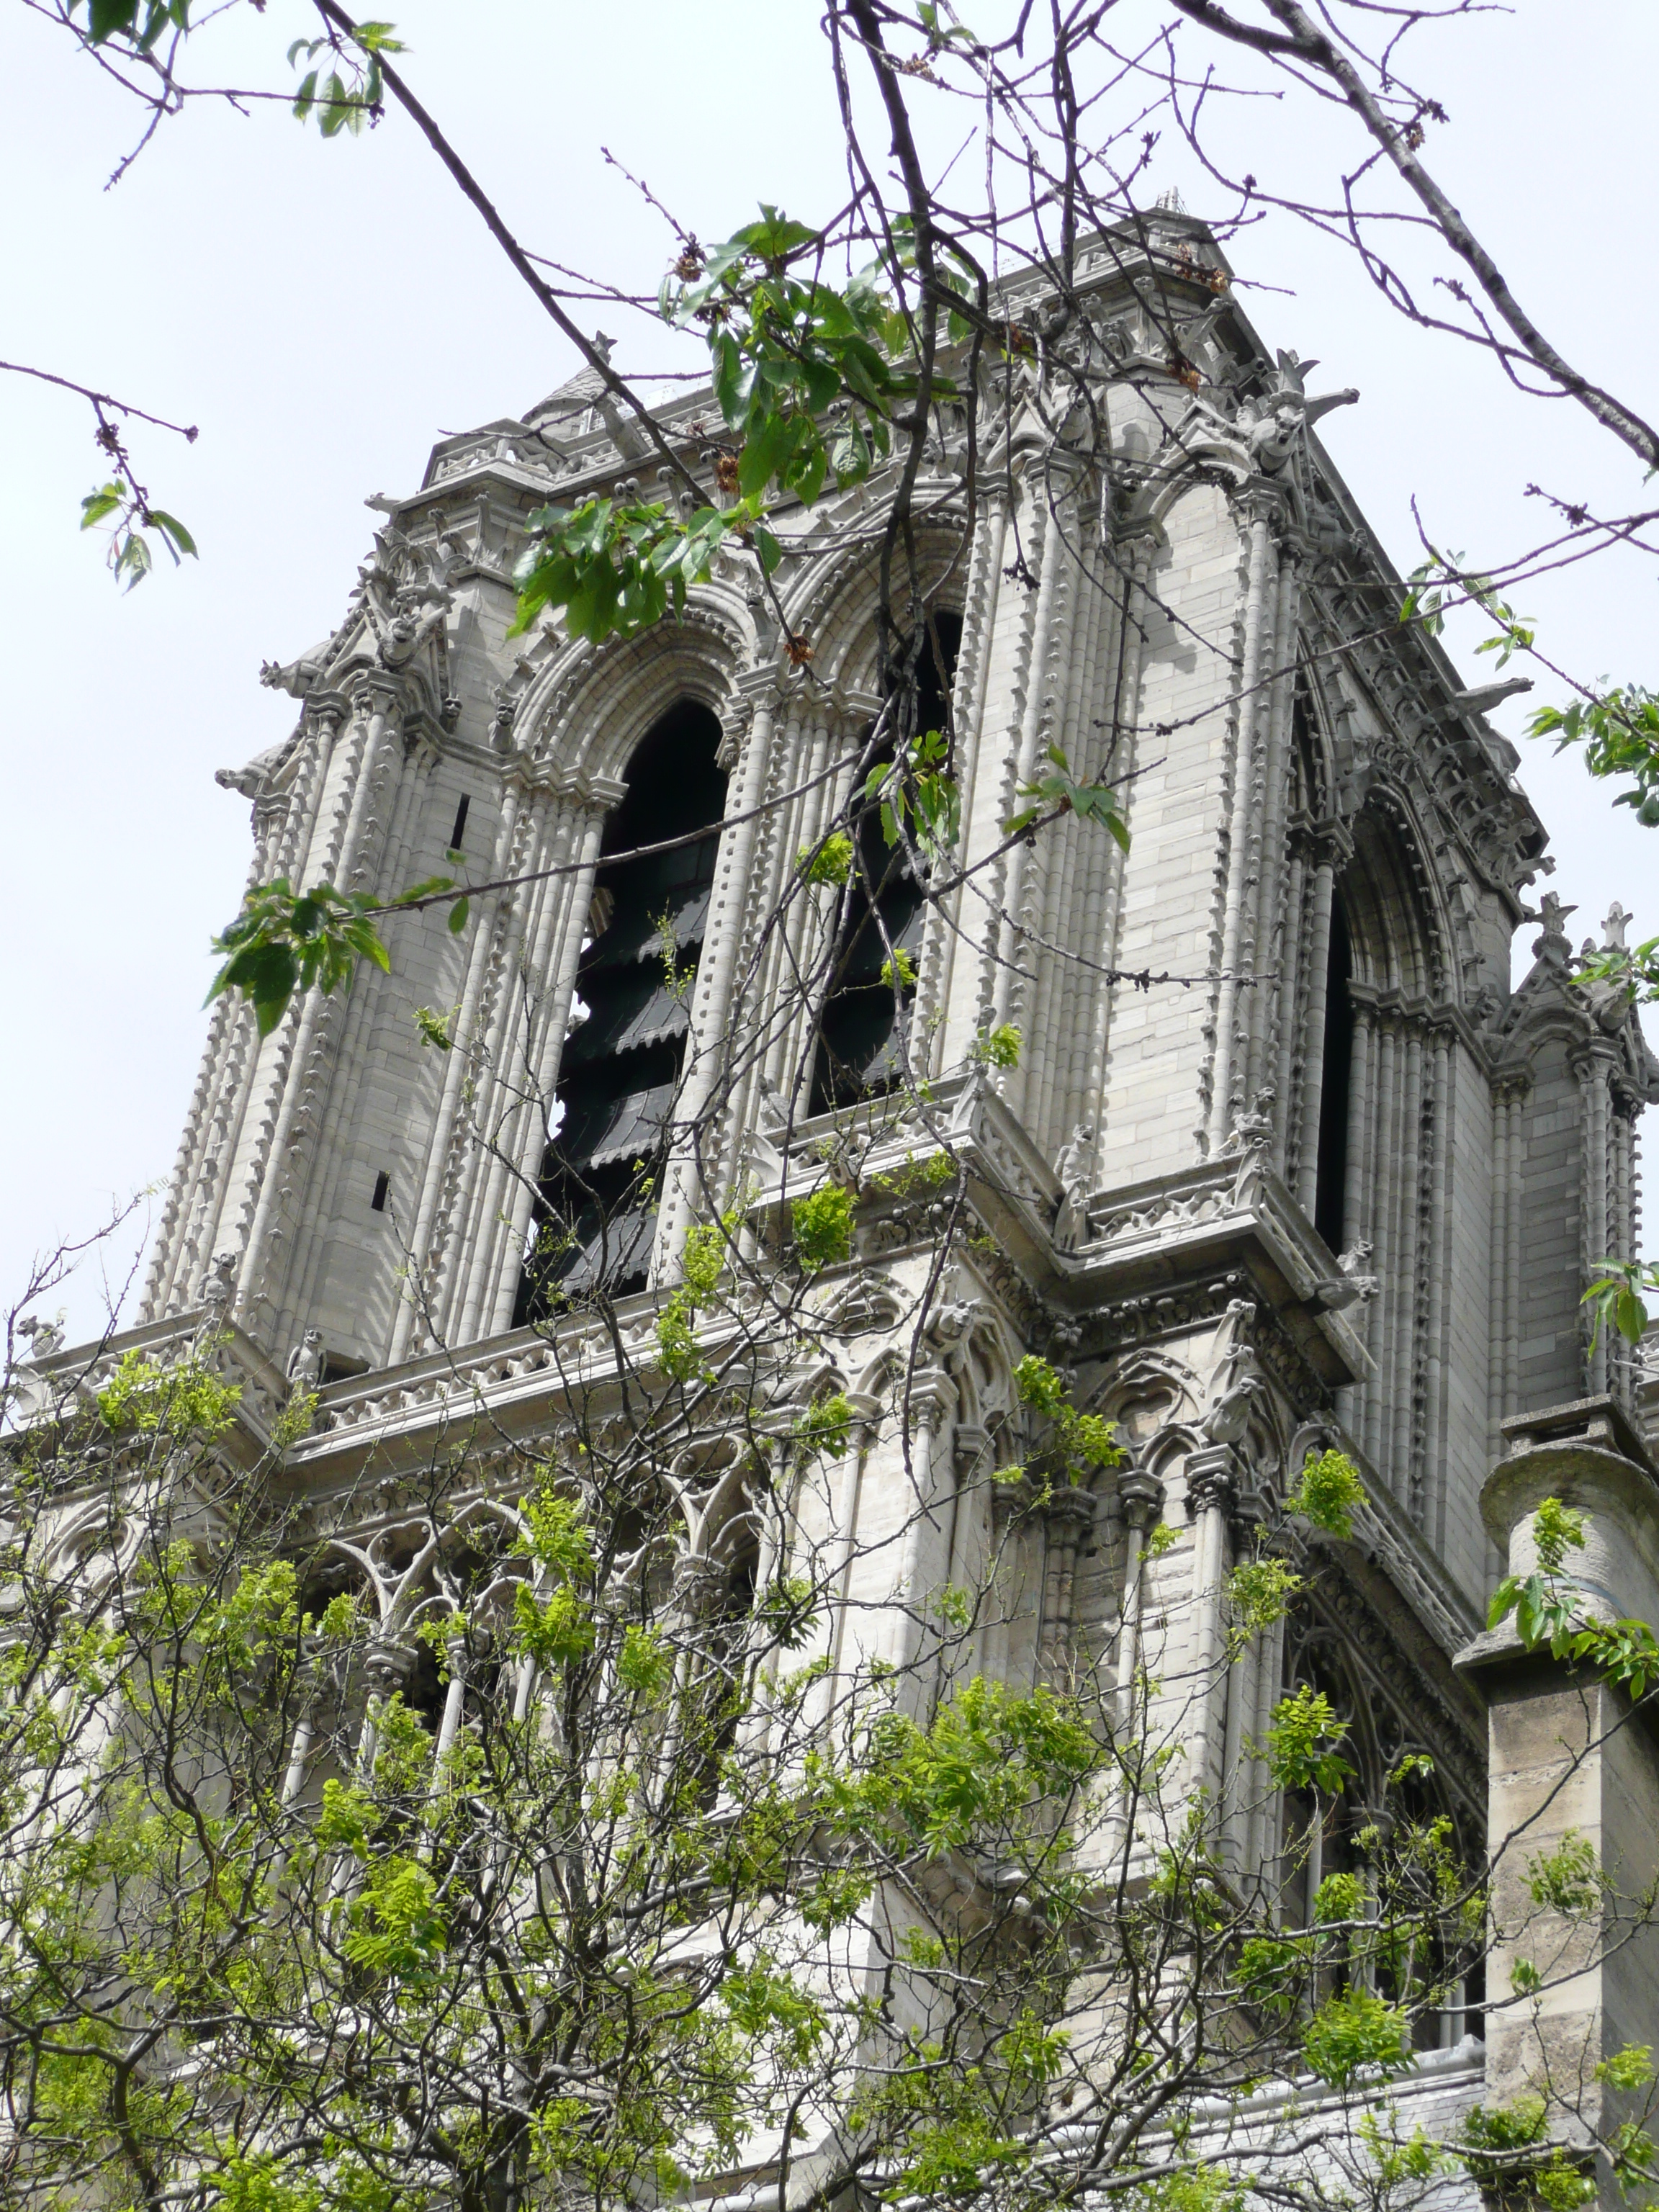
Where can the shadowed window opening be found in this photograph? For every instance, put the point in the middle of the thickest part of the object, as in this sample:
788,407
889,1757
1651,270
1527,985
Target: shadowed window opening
459,831
382,1187
619,1073
864,1031
1331,1184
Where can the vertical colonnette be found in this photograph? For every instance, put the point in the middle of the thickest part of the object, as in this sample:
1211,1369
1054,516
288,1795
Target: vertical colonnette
939,1037
351,1046
271,1167
1131,558
1239,991
1623,1206
693,1162
1397,1200
521,1008
283,823
1510,1094
1080,864
1272,915
1608,1211
827,734
1036,872
761,978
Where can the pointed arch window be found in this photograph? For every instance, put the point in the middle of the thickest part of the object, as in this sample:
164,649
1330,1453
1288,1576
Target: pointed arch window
620,1071
864,1029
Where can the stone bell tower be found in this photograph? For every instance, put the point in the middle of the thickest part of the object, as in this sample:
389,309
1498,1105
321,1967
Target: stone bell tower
1285,1161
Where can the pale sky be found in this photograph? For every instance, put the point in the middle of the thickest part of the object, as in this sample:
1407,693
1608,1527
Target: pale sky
326,312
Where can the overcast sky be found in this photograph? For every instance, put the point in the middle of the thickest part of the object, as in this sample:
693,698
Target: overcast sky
326,312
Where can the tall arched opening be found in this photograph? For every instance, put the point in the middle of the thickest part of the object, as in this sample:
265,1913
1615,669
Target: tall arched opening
619,1073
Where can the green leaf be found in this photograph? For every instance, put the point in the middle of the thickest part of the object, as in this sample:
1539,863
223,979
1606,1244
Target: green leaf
177,538
108,18
457,914
98,504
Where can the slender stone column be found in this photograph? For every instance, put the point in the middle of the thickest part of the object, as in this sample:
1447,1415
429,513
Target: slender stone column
1262,504
449,1724
932,1399
518,1110
1265,949
419,1308
960,929
844,1489
1513,1199
1123,737
1006,930
1357,1200
1261,1799
1501,1321
1440,1264
796,935
1008,1501
707,1046
583,831
1384,1167
1593,1068
1407,1264
372,705
1068,1516
1213,1483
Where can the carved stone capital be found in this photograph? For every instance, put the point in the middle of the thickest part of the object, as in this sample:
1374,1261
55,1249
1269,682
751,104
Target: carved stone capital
1261,501
930,1398
1008,1501
390,1662
1215,1478
969,1446
1329,843
866,1416
1142,1497
326,711
1070,1511
700,1586
373,692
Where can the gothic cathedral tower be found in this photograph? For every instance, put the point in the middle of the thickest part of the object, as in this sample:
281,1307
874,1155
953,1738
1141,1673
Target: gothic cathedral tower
1283,1161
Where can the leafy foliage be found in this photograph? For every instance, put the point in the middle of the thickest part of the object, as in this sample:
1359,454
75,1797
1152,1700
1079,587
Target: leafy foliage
999,1048
1327,1492
1548,1609
338,103
1057,792
1618,730
1303,1740
615,568
917,795
1357,2035
830,862
786,348
285,940
822,1225
130,557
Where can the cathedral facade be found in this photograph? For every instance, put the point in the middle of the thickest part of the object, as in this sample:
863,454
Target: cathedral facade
1284,1160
